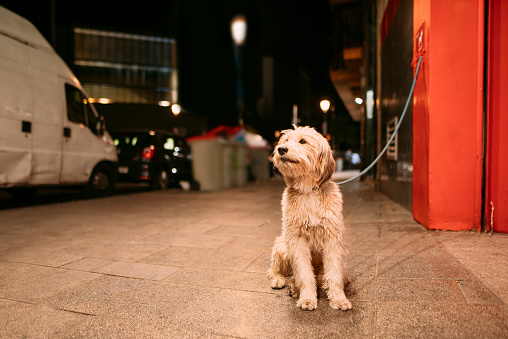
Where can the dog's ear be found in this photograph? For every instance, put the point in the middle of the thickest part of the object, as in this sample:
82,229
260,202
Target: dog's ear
326,165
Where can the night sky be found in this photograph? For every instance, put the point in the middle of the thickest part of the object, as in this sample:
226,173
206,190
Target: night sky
295,30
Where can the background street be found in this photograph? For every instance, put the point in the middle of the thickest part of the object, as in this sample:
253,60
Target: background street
192,264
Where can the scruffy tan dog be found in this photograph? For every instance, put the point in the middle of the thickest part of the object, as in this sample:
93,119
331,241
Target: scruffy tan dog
311,247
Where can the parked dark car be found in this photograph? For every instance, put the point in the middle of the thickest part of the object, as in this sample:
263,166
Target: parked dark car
158,157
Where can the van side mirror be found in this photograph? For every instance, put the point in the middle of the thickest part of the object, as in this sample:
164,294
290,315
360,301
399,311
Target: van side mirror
101,125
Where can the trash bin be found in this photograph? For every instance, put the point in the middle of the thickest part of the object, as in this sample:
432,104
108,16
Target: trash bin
219,158
240,164
208,162
229,160
339,165
259,163
259,151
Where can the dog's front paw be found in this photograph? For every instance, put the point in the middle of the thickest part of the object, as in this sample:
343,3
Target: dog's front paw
342,304
278,282
307,304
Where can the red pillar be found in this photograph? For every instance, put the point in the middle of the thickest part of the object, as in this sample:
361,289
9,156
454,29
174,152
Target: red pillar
447,115
497,136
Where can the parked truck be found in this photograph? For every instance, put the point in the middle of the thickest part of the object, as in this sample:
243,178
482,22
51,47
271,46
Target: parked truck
50,133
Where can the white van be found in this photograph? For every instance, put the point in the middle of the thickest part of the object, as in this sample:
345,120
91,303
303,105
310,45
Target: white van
50,134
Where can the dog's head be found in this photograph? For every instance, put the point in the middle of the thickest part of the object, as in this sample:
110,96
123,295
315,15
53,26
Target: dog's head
305,155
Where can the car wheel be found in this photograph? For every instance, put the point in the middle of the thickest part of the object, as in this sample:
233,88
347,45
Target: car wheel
102,181
194,185
161,180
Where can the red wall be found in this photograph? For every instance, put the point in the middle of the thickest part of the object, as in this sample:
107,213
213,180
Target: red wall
497,136
421,18
447,115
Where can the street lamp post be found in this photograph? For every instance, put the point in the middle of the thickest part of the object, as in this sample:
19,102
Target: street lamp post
238,32
325,106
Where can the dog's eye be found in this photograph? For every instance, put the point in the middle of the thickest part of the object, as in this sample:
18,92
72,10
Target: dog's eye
302,141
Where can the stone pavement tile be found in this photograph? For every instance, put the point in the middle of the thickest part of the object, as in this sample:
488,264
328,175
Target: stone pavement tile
431,320
357,290
476,293
188,240
362,231
111,249
256,243
170,228
128,298
408,244
365,211
11,242
238,214
483,255
28,255
271,230
261,264
164,218
110,327
87,264
227,203
22,320
422,266
249,314
32,283
363,215
419,290
120,231
137,270
218,259
361,266
493,274
240,222
405,228
244,281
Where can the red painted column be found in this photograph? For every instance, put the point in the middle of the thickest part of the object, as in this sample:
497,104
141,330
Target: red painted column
421,21
447,115
497,135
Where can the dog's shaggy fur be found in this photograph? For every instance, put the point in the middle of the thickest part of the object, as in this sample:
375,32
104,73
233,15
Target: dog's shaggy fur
311,248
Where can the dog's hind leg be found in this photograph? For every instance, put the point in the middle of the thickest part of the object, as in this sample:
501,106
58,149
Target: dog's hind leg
279,267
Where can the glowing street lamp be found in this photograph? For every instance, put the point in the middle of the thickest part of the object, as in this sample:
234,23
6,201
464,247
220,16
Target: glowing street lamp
176,109
325,106
239,29
238,33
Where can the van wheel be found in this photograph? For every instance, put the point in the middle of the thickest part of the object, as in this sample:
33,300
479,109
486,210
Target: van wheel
102,182
22,192
161,180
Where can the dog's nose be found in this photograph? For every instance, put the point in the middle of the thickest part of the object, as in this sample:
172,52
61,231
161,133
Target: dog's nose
282,150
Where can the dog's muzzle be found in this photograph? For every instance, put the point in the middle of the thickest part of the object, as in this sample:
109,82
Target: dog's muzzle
282,150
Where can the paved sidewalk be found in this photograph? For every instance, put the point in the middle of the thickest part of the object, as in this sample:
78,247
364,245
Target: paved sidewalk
175,264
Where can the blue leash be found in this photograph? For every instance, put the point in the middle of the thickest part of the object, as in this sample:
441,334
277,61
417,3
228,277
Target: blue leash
394,132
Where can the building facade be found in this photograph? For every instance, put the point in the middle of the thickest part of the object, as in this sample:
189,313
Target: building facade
117,67
448,161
